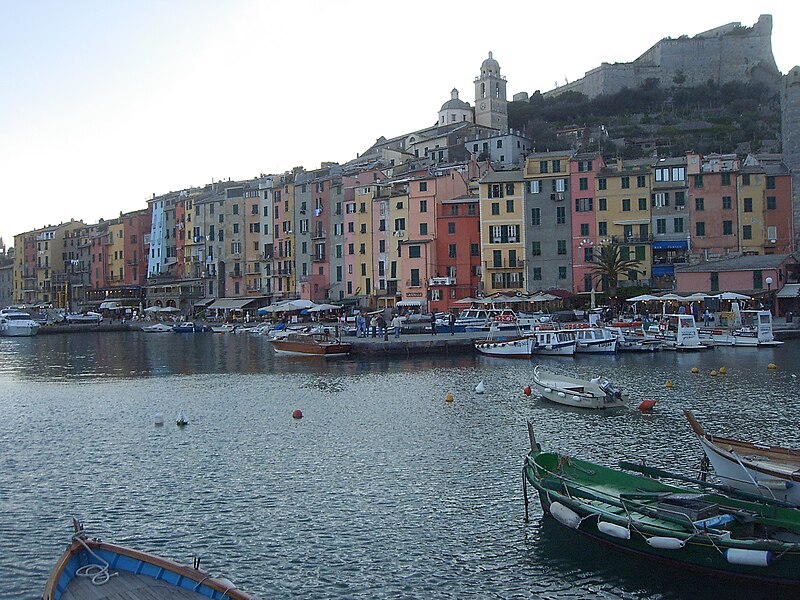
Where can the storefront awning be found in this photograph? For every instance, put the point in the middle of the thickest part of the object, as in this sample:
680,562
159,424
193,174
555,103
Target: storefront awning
231,303
204,302
662,270
671,245
790,290
409,303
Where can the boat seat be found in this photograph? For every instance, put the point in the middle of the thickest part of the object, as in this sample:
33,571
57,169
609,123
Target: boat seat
576,388
714,522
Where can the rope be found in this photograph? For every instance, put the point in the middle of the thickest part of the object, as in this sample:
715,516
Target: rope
99,573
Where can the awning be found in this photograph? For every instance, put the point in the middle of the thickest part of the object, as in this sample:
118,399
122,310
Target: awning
231,303
661,270
110,305
671,245
204,302
633,222
409,303
790,290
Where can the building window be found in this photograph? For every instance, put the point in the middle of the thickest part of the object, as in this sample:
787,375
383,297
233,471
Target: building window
451,227
602,204
495,208
454,210
583,183
748,205
537,273
726,203
583,204
714,281
556,166
625,183
584,229
561,215
497,258
474,250
678,173
626,205
662,174
642,203
641,181
639,253
660,200
680,198
499,143
699,204
678,224
700,228
536,216
536,249
771,203
602,228
535,187
451,250
414,252
727,228
542,166
770,182
562,272
509,206
602,183
423,206
495,190
747,232
414,277
746,179
661,226
423,229
562,246
423,186
758,280
698,181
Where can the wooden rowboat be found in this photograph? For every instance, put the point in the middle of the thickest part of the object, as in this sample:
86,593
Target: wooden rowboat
682,527
91,569
771,471
311,344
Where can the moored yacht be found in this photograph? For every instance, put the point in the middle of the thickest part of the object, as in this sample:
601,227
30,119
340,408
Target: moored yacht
17,323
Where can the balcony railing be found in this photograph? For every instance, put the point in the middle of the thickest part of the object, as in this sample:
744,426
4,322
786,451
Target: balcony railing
504,264
441,281
318,258
631,239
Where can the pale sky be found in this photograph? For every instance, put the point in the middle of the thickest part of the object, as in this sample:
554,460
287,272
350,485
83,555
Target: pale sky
105,102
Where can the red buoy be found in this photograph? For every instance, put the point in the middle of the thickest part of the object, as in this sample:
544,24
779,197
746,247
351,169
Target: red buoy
647,405
297,414
526,390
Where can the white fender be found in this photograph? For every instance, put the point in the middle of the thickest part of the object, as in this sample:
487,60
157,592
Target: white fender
562,395
666,543
576,398
614,530
564,515
752,558
548,390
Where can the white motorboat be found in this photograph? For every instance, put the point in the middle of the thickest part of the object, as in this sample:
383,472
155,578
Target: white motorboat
571,391
595,340
752,328
677,332
553,342
770,471
157,328
631,337
17,323
519,346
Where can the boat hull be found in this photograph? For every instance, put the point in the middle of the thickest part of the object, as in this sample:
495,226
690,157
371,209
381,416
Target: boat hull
570,391
20,330
521,347
323,349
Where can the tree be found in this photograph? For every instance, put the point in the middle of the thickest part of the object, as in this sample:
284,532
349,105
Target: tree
609,266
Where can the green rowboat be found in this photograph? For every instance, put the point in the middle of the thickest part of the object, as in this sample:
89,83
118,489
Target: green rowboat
686,528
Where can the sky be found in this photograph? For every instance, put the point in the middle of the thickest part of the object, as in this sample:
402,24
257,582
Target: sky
104,103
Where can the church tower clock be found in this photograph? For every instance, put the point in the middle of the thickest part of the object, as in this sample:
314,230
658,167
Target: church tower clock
491,106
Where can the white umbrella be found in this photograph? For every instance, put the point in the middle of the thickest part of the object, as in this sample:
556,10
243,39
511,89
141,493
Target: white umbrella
541,297
322,307
731,296
696,297
152,309
643,298
170,309
467,300
671,297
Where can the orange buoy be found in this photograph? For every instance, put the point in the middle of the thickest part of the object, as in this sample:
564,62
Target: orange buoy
526,390
647,405
297,414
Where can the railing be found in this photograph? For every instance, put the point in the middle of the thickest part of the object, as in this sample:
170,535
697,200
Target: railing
504,264
442,281
631,239
318,258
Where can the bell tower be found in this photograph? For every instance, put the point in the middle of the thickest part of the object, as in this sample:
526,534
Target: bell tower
491,106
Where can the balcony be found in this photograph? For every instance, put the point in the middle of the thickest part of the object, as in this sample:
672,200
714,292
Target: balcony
632,239
318,235
441,281
318,258
504,264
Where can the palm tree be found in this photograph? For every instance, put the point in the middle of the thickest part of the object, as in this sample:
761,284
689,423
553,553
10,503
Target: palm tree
609,266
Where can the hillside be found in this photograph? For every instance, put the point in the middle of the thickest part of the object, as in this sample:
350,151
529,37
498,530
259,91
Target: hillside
732,117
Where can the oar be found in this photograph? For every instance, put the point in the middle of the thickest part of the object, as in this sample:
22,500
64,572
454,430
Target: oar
656,472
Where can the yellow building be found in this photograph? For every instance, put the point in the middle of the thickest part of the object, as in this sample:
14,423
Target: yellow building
502,231
360,222
623,212
751,193
115,252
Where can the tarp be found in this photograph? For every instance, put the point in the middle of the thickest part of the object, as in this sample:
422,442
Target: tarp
409,303
790,290
659,270
230,303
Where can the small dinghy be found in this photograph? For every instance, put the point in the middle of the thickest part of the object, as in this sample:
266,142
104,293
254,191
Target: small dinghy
182,420
571,391
99,570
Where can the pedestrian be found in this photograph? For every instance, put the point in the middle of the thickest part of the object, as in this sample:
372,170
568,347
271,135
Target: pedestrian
452,321
373,323
706,318
433,323
382,327
397,323
361,326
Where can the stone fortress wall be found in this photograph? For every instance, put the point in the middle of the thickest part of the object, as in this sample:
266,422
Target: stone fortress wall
790,138
726,53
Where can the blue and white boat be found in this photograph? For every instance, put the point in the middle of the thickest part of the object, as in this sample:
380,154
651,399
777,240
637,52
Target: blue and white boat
190,327
90,568
595,340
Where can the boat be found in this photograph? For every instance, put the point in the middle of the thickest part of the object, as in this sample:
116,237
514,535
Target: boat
190,327
87,317
631,337
688,528
17,323
224,328
571,391
518,346
157,328
182,420
771,471
90,568
593,340
311,344
550,341
677,332
750,328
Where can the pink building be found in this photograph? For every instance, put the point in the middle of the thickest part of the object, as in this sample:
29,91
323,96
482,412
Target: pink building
583,171
713,205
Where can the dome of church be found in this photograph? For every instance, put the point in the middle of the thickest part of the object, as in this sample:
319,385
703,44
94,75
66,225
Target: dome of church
490,65
454,103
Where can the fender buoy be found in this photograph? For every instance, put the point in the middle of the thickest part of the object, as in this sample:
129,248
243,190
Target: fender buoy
666,542
564,515
297,414
526,390
647,405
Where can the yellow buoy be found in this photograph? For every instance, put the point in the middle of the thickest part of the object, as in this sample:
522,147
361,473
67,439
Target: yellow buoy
669,383
695,370
713,373
772,366
448,397
722,370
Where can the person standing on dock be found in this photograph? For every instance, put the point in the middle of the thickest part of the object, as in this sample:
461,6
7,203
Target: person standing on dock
433,323
373,323
397,323
452,321
382,327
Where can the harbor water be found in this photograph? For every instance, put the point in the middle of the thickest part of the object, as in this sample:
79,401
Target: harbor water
382,490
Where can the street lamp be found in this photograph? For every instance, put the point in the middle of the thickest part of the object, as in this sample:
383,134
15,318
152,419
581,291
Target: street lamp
769,293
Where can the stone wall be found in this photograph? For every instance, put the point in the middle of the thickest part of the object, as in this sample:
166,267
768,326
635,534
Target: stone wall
790,137
726,53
